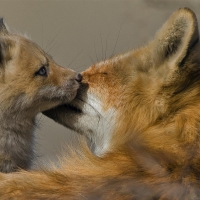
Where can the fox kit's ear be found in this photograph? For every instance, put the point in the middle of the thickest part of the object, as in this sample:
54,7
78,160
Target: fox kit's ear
176,38
5,43
3,29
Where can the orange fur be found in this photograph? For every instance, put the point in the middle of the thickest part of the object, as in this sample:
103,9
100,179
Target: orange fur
140,111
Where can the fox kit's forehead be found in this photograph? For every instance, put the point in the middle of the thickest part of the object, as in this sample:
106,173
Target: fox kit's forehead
19,56
27,45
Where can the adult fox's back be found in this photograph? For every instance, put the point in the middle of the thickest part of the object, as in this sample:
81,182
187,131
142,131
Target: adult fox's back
141,112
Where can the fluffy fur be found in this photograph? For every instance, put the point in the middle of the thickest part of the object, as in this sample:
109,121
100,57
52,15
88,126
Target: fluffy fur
141,112
30,82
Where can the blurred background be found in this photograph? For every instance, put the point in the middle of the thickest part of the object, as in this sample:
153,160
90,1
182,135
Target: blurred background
78,33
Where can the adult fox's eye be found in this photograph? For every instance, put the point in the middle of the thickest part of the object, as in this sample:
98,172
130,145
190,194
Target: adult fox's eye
42,71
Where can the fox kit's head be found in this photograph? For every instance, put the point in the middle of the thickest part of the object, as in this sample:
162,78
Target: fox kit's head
139,92
30,81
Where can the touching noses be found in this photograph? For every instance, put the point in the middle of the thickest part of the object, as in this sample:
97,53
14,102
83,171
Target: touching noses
78,77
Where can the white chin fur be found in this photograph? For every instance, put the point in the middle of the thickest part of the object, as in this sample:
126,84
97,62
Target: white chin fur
97,124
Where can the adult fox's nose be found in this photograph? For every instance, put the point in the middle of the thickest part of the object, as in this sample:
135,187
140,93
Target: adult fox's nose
78,77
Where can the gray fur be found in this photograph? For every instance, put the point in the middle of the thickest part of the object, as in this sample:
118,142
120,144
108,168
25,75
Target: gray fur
23,94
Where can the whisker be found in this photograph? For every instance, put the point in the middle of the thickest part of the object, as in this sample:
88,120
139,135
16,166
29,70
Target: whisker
96,52
99,114
91,60
106,47
47,46
101,45
42,33
75,58
117,40
53,46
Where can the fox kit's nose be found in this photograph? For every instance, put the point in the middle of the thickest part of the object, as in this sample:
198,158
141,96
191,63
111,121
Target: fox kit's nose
78,77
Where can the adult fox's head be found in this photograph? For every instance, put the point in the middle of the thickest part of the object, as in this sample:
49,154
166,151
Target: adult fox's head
151,94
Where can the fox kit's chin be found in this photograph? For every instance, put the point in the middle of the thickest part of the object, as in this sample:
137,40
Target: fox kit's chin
30,82
87,116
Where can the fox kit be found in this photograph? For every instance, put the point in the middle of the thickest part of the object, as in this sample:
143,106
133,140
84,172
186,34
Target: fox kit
141,111
30,82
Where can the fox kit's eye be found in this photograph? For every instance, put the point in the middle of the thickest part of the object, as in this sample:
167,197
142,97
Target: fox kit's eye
42,71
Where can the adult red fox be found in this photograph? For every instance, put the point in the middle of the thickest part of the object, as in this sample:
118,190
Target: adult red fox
141,111
30,82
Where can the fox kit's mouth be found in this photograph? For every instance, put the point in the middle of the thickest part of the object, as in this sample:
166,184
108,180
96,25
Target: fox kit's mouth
77,105
73,108
83,106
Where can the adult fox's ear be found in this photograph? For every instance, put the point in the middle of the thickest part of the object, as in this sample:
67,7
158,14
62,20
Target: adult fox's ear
176,38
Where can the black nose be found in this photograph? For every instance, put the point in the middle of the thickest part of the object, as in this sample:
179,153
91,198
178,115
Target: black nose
78,77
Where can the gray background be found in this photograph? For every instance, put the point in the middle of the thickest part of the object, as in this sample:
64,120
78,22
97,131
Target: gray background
78,33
